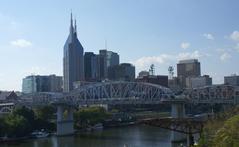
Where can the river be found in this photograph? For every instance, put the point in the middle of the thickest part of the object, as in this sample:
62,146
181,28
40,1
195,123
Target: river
130,136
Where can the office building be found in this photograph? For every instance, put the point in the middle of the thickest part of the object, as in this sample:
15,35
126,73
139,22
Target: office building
121,72
73,59
232,80
188,68
105,60
91,66
51,83
195,82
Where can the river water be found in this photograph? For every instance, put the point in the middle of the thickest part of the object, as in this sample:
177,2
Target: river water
130,136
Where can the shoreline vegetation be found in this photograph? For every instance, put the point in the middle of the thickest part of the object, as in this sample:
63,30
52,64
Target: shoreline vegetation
222,130
19,124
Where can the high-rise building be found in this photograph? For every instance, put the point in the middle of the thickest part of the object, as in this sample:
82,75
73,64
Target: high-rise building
232,80
105,60
200,81
73,60
51,83
188,68
91,66
121,72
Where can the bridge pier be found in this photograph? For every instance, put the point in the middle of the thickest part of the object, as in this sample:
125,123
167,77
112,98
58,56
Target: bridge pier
177,111
65,125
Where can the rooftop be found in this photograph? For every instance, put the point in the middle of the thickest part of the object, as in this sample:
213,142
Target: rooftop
188,61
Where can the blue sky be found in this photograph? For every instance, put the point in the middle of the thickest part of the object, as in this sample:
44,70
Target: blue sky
141,31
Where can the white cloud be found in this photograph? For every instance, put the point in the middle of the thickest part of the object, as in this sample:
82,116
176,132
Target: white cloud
208,36
185,45
235,36
21,43
188,55
225,56
143,63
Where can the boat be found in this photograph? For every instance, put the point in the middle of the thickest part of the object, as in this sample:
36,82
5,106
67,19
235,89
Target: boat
98,126
39,134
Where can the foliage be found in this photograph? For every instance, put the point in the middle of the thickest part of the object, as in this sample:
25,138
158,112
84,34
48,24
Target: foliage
44,116
228,135
16,126
22,121
90,116
45,113
2,126
222,130
27,113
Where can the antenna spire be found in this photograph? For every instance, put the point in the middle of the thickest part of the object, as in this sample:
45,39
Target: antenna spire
71,18
75,27
71,24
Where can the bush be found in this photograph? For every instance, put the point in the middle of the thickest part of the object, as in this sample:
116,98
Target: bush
90,116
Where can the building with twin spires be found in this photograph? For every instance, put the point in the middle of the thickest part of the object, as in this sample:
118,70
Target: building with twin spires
73,59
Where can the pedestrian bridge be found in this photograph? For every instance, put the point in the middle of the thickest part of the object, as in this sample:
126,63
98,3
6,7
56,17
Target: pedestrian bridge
105,93
121,92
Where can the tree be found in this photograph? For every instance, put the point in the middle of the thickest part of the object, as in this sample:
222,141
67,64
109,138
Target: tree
228,135
44,116
90,116
16,126
27,113
45,113
2,127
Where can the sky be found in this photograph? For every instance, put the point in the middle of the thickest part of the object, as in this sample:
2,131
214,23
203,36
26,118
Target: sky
143,32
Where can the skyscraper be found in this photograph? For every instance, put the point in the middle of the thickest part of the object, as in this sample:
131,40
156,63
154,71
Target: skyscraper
91,66
73,60
105,60
188,68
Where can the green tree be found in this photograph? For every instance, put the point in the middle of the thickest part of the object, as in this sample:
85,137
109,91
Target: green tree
90,116
44,116
3,126
45,113
228,135
27,113
16,126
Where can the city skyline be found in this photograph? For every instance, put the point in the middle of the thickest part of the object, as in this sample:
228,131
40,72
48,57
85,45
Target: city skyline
33,40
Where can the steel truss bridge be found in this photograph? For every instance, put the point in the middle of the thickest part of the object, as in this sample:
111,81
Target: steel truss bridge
105,93
122,92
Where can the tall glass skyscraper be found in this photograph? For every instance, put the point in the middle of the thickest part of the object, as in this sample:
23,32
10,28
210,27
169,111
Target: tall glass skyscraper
73,60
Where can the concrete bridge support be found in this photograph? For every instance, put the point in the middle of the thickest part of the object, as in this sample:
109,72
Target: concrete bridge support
177,111
64,124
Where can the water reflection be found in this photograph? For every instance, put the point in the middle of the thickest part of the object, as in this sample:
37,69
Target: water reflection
133,136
